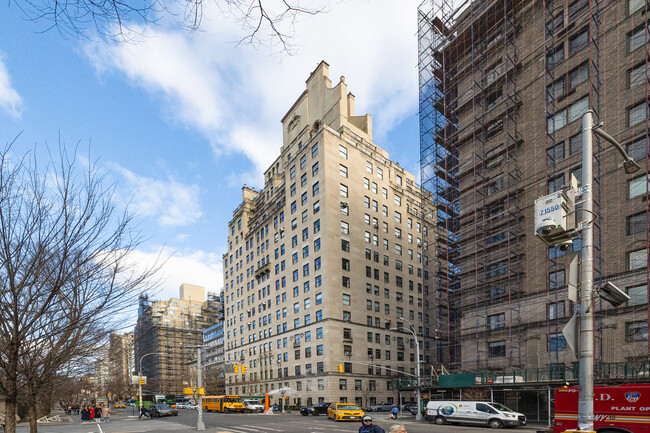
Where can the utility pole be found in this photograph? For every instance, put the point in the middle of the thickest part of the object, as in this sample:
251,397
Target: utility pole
200,426
586,310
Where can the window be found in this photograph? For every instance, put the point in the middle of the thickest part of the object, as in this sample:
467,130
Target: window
637,113
319,348
345,245
366,183
319,298
497,321
345,228
343,170
578,75
303,161
399,179
345,208
315,189
345,264
555,90
556,310
575,144
380,173
346,299
637,149
555,57
292,172
343,189
638,295
639,75
556,341
578,108
636,331
317,207
577,8
636,223
343,152
314,150
303,180
636,39
637,259
369,167
555,183
343,384
497,348
578,41
556,279
317,244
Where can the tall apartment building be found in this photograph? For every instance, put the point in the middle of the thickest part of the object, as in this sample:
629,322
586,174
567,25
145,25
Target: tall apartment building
504,85
120,358
166,336
324,262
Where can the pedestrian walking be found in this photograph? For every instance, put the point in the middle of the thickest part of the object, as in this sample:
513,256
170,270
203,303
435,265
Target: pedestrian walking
85,414
98,413
369,427
92,414
143,411
107,415
393,412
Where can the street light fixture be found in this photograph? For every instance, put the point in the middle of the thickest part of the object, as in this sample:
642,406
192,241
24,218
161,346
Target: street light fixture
411,329
140,374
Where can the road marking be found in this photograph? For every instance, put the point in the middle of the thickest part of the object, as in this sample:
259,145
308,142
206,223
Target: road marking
256,428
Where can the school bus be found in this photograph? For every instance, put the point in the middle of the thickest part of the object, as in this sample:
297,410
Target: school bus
223,403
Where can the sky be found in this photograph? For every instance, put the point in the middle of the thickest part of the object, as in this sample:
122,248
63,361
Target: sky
182,120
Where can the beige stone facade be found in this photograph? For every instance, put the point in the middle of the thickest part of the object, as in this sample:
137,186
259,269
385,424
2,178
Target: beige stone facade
324,260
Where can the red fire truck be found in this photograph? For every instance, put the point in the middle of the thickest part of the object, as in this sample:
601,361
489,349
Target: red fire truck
617,409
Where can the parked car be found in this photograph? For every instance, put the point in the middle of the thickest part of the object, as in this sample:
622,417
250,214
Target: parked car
491,414
181,405
159,410
192,406
344,412
317,409
253,405
381,407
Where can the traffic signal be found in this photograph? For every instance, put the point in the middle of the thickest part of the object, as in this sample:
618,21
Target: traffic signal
340,368
236,368
141,381
244,369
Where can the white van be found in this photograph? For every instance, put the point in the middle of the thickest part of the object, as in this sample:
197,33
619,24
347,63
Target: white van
494,415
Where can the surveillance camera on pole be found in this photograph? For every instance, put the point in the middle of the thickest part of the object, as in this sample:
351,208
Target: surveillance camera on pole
612,294
555,219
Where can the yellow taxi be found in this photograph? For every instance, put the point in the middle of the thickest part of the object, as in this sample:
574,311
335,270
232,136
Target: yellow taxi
120,404
344,412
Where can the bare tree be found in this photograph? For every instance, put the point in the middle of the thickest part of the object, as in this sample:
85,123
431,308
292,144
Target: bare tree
65,270
260,19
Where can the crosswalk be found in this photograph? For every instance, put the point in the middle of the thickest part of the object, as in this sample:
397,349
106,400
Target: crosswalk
302,426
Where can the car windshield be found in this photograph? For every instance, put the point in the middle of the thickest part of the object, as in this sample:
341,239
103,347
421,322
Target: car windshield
502,408
163,406
348,407
232,400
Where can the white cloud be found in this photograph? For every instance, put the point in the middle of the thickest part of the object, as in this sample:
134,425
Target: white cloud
236,95
10,100
172,203
196,267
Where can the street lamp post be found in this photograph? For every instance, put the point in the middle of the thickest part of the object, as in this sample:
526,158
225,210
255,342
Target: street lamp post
200,426
586,342
418,415
140,375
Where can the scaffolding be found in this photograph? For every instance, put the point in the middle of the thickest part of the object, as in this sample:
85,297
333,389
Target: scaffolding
503,85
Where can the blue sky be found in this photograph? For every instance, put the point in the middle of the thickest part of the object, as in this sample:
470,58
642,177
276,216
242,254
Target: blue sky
182,120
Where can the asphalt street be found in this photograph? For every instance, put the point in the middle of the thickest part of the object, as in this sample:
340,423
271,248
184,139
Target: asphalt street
123,421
